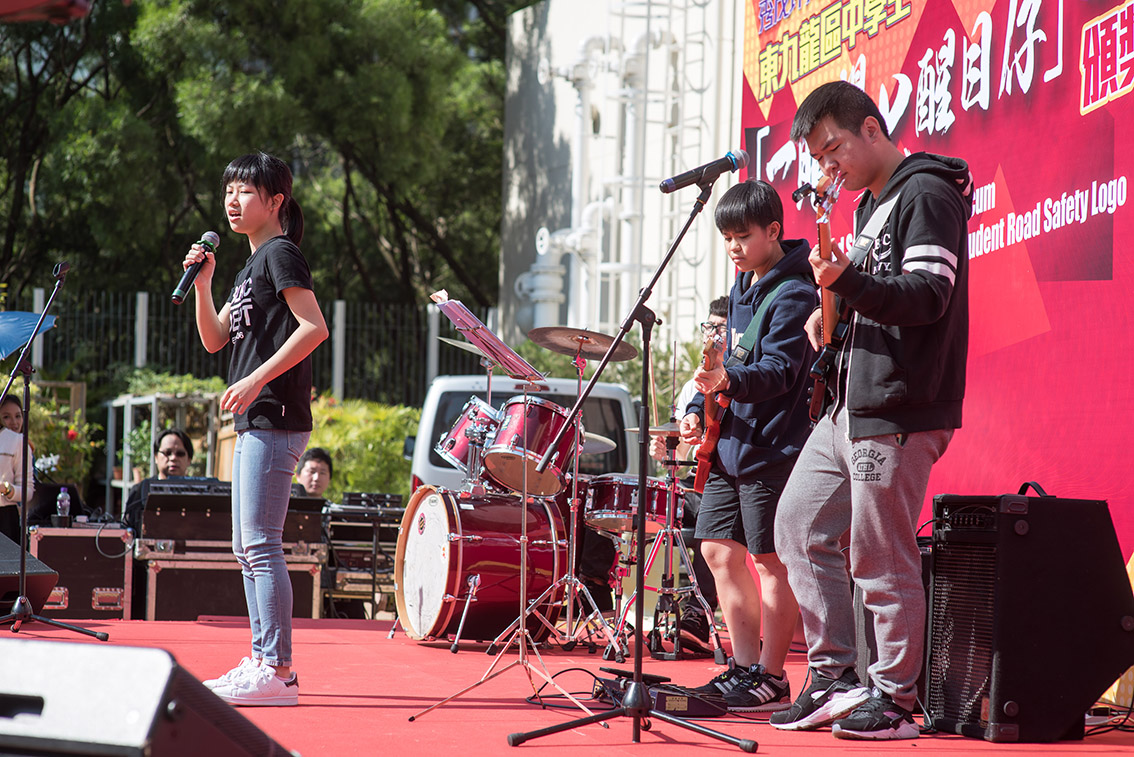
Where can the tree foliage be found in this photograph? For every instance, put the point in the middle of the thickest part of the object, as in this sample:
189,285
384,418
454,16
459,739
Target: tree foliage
118,126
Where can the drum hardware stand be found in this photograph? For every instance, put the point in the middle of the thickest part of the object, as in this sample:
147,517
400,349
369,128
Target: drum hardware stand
22,610
637,703
573,587
474,584
521,634
477,435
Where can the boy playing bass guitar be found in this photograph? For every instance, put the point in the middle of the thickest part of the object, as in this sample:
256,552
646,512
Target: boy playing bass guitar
764,378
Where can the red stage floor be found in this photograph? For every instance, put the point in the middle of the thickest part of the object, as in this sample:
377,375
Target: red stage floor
359,688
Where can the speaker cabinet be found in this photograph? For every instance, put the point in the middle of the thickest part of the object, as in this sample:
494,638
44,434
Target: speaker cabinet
1031,615
40,578
63,698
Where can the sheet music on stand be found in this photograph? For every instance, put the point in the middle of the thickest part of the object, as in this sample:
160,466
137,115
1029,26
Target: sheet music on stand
477,333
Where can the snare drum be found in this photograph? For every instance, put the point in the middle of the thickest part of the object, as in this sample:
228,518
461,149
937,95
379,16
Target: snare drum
526,432
447,536
476,417
612,503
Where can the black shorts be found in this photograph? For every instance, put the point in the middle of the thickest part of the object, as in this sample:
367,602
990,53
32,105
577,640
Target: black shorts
744,512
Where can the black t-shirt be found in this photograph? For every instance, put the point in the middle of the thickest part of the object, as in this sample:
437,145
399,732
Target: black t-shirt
259,324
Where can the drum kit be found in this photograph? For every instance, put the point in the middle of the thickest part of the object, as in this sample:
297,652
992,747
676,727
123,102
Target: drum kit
477,529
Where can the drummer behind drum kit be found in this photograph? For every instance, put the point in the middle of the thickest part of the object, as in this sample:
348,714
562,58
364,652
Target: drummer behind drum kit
477,531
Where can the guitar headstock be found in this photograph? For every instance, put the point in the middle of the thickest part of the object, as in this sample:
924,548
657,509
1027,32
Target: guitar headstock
826,193
712,350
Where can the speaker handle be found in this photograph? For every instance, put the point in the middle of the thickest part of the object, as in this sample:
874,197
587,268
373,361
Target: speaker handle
1034,485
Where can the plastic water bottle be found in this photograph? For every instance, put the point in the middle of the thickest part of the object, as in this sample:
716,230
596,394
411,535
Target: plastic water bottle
63,504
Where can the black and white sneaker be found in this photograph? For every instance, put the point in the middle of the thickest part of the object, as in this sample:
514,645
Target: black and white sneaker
750,689
823,702
758,691
877,719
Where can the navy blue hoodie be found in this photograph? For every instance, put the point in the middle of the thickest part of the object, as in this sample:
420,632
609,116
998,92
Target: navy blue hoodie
766,421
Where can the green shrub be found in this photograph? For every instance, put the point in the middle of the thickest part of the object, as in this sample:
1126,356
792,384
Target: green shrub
365,441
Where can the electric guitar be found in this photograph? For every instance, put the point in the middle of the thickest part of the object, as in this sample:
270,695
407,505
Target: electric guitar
715,406
833,324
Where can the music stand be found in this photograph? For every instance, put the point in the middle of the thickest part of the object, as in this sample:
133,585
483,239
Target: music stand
515,366
637,703
22,610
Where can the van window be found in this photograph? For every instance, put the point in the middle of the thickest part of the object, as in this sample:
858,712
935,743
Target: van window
601,416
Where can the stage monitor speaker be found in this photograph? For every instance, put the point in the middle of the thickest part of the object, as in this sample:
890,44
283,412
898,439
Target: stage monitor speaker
63,698
40,578
1031,615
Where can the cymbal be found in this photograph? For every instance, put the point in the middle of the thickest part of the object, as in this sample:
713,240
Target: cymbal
589,344
596,444
466,346
668,429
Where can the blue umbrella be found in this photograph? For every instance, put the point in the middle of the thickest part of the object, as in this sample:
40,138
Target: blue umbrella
16,327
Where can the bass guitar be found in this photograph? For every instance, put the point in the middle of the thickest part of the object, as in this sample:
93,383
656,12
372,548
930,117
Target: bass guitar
833,324
715,406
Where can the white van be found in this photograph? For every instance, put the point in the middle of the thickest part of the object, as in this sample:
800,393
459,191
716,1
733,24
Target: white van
608,412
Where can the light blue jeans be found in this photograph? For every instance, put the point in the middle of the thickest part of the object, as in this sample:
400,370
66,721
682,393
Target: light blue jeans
263,464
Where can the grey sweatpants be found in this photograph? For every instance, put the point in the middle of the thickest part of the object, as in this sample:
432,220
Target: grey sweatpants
874,487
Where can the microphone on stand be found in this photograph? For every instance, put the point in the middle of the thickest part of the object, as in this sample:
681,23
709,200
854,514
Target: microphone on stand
209,240
708,172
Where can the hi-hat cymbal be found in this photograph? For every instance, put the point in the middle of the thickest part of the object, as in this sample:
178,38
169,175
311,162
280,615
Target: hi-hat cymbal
589,344
668,429
466,346
596,444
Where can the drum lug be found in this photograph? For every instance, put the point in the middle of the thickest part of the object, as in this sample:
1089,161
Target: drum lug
471,538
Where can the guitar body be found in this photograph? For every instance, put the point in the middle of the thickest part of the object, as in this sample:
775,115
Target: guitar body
715,405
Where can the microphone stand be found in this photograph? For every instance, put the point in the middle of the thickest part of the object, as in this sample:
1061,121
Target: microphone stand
637,703
22,610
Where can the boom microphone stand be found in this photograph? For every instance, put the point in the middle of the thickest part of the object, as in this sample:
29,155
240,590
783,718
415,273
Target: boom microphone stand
22,610
637,703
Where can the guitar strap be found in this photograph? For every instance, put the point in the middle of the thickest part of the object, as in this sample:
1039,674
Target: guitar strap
864,242
740,355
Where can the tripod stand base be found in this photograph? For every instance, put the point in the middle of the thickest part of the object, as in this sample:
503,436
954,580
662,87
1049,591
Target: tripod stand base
636,706
22,613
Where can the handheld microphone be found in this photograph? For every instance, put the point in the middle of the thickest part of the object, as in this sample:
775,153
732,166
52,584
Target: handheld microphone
210,240
708,172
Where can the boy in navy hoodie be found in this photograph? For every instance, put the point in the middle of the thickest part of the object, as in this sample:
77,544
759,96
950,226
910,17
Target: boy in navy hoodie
762,430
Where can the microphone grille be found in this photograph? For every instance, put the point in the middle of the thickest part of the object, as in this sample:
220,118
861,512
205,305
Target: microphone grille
739,158
212,238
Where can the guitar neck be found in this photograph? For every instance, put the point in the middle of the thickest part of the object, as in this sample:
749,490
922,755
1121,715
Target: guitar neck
829,312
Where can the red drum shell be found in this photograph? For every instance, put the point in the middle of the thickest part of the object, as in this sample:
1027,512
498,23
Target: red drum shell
447,536
454,446
612,503
526,432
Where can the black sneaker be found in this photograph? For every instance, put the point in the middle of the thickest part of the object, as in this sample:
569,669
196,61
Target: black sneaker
722,683
758,691
825,700
878,718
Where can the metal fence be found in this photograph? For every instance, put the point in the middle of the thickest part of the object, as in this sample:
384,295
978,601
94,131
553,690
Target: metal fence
386,353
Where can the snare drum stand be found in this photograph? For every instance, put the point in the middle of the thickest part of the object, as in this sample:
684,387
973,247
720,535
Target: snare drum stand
521,635
669,596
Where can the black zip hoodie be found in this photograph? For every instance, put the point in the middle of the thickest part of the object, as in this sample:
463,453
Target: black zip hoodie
902,369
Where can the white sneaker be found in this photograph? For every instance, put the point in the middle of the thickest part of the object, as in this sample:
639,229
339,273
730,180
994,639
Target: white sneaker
261,687
246,666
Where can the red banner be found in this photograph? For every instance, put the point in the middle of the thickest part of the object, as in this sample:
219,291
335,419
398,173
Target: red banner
1033,94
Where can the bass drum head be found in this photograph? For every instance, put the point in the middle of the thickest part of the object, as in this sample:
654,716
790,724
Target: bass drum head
423,543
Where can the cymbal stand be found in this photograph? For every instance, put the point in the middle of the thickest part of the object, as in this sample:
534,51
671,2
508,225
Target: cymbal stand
669,604
638,702
522,635
592,622
478,436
